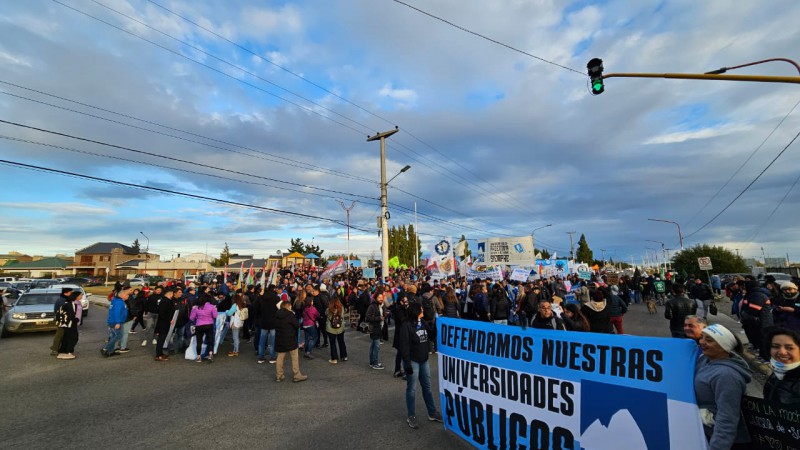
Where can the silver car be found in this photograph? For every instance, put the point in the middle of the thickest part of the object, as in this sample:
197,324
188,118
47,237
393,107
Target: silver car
35,311
84,300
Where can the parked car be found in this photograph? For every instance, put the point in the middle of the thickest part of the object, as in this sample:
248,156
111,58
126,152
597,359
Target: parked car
80,281
134,282
780,277
33,311
43,284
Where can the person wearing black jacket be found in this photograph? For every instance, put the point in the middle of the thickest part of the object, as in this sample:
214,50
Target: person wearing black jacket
66,319
362,304
166,309
414,346
265,309
286,329
151,306
400,313
181,336
677,309
321,299
545,319
499,305
60,330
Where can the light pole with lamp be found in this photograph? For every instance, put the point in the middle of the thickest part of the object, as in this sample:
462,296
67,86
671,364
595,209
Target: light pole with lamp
533,236
384,219
680,235
146,255
347,210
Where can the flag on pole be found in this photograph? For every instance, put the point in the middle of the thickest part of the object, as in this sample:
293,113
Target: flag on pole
273,273
241,276
334,269
251,275
225,275
264,276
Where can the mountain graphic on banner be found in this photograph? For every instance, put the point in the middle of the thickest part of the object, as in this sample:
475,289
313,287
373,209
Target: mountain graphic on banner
622,432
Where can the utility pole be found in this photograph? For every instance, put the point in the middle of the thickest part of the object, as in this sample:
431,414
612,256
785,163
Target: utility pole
737,252
604,256
352,205
416,238
571,245
146,255
384,219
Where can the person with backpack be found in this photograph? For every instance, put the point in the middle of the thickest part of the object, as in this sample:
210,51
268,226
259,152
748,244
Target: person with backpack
334,327
238,314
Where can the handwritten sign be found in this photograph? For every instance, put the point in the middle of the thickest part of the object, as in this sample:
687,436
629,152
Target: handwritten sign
771,425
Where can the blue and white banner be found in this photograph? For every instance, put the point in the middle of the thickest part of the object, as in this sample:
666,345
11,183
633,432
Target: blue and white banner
509,251
505,387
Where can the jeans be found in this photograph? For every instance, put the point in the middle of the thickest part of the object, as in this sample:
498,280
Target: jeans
338,348
179,338
113,337
312,336
262,343
374,348
637,297
235,333
617,323
151,326
422,372
126,330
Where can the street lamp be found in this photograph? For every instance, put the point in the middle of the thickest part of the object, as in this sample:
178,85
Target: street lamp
680,235
533,233
384,219
146,255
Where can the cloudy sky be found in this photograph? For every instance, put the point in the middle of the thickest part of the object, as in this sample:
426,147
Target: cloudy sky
263,108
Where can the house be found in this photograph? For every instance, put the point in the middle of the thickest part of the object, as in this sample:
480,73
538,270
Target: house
14,256
45,267
105,258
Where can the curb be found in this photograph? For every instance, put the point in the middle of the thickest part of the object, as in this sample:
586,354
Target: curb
99,302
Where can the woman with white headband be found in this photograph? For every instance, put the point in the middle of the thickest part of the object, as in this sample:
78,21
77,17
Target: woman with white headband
720,381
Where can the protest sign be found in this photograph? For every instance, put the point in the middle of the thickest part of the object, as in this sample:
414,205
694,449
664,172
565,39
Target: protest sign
509,251
520,275
584,275
369,272
771,425
504,387
442,257
485,273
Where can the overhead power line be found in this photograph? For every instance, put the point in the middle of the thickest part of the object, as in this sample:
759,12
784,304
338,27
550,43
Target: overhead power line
746,187
173,192
434,166
494,41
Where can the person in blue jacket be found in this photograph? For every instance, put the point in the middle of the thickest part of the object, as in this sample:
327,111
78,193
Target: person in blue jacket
117,314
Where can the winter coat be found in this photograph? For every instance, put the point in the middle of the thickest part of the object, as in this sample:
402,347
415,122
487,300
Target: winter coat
616,306
500,307
264,309
166,309
117,312
375,320
785,391
676,309
310,316
286,329
329,321
400,316
719,386
414,343
599,318
451,309
206,315
547,323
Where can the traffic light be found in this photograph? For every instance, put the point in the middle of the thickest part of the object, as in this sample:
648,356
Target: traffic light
595,68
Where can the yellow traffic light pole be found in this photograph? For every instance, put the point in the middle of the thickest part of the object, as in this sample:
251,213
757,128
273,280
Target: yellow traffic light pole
707,76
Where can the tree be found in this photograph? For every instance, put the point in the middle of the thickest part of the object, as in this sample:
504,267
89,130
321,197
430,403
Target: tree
296,245
584,253
414,245
401,244
224,257
723,260
545,254
136,246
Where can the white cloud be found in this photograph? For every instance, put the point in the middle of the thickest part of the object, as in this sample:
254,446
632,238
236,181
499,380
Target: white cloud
404,97
705,133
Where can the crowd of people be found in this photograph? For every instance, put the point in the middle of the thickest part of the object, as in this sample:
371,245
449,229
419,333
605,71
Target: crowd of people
305,313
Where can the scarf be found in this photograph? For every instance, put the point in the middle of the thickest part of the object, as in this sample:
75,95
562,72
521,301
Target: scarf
780,369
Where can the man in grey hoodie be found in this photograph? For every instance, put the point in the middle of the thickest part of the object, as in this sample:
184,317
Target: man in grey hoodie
720,381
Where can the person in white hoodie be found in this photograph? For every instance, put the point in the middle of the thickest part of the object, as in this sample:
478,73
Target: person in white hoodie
720,381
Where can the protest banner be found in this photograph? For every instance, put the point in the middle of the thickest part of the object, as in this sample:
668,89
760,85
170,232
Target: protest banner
494,273
771,425
369,272
520,275
504,387
442,257
509,251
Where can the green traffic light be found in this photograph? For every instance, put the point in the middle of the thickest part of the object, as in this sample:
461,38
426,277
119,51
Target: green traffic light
597,87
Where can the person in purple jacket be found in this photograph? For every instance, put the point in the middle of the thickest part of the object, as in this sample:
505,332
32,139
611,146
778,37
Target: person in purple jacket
204,314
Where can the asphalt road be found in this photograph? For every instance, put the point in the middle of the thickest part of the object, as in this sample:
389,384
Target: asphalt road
132,401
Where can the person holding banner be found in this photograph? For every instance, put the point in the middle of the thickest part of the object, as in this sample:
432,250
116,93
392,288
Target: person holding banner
783,386
545,319
413,347
720,382
204,315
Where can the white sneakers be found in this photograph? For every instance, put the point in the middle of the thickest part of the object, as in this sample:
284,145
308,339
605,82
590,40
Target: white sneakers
65,356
